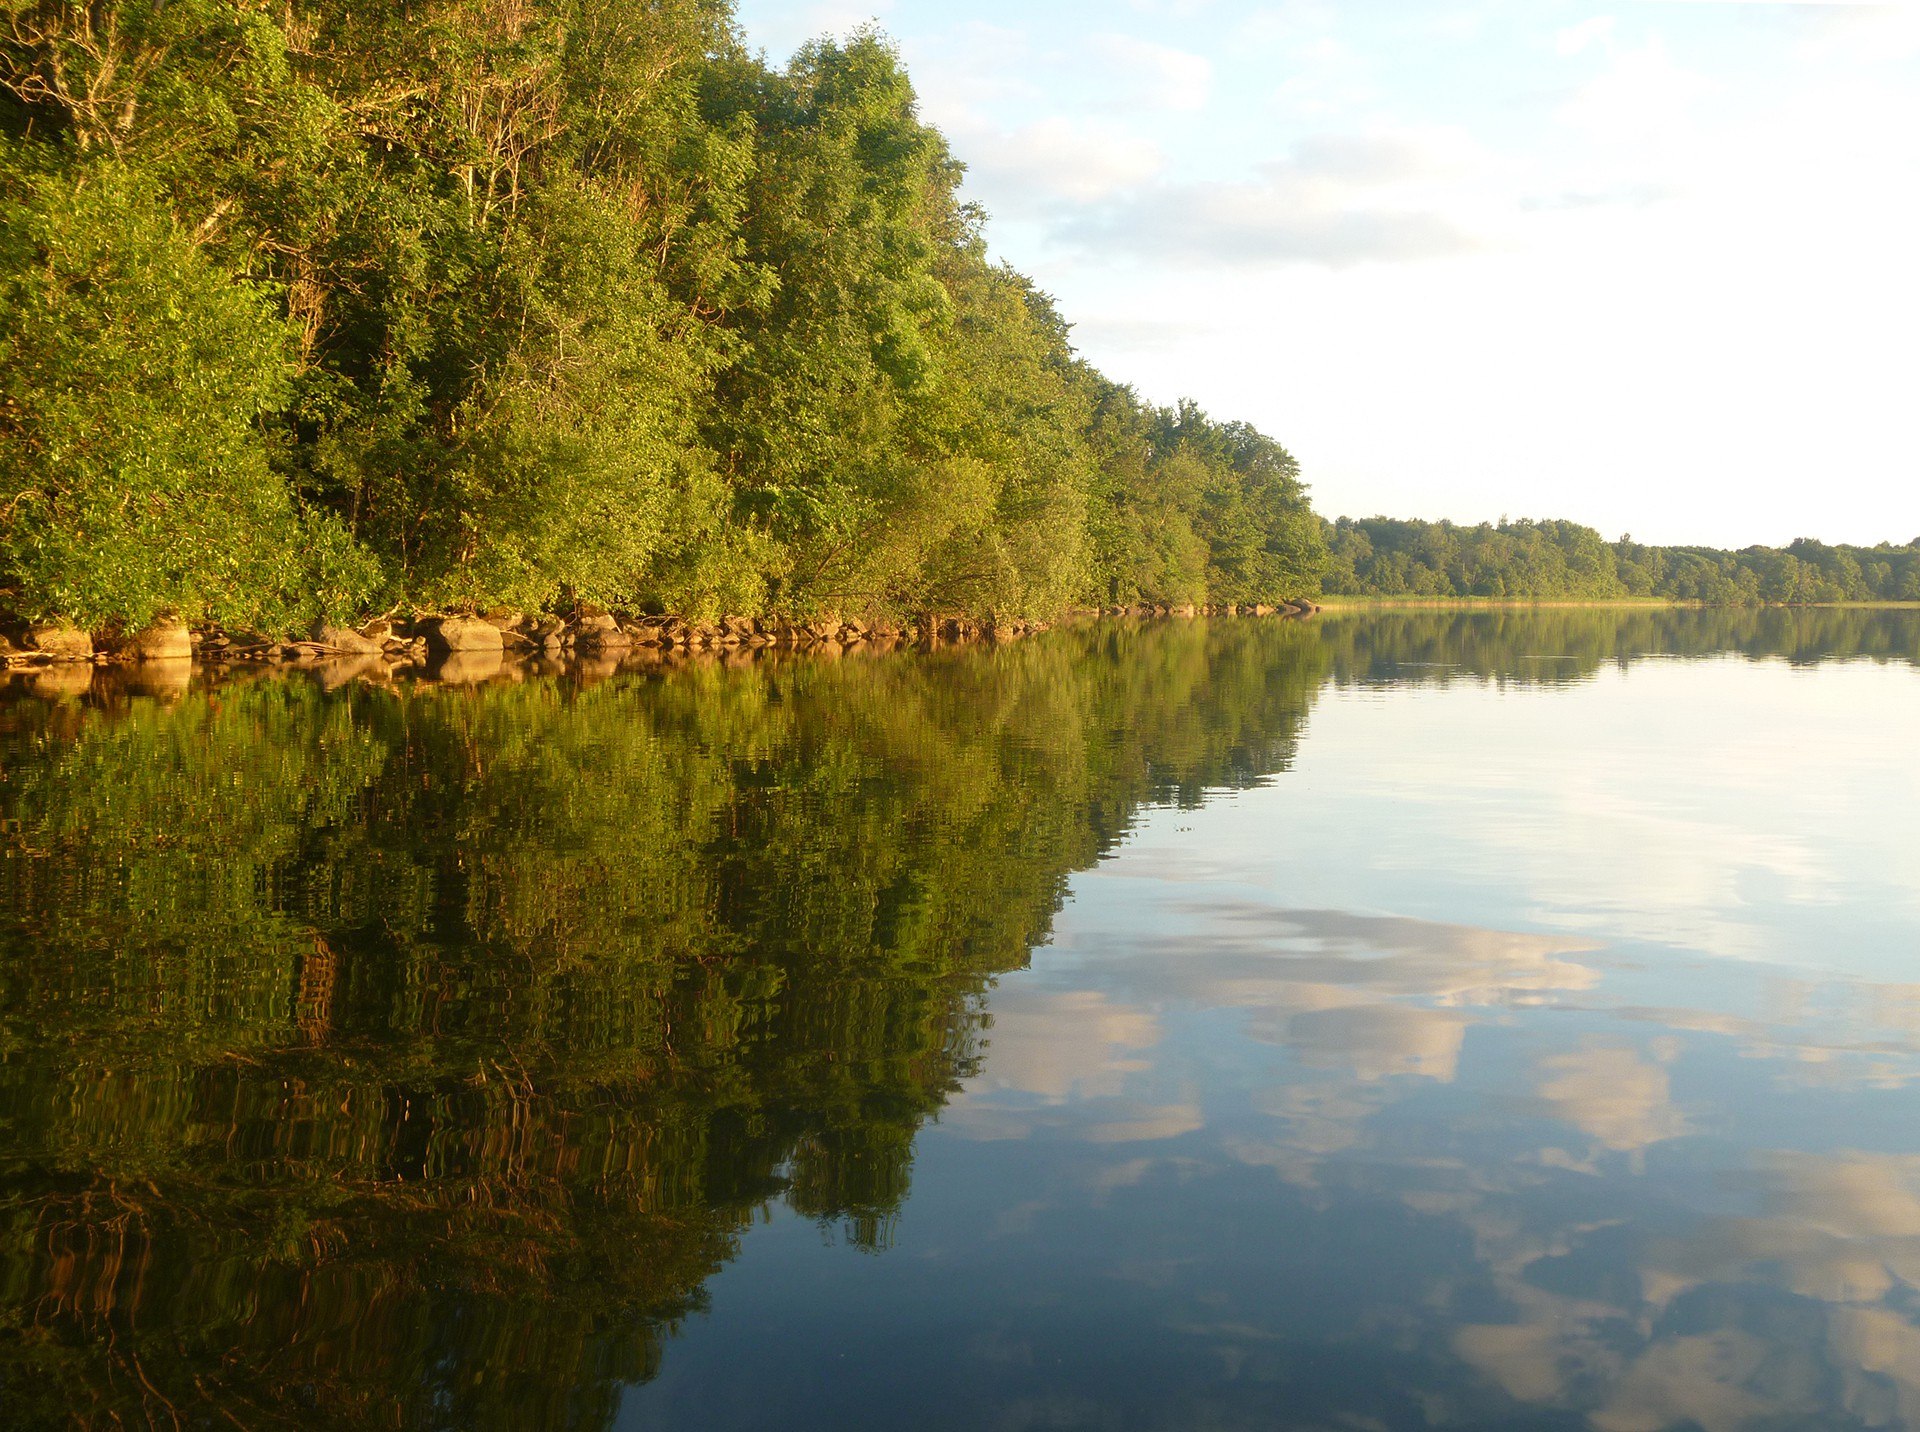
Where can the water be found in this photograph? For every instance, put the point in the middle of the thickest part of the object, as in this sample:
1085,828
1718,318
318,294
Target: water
1431,1020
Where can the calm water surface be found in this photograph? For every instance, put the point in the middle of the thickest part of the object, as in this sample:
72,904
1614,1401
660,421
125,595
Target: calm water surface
1403,1021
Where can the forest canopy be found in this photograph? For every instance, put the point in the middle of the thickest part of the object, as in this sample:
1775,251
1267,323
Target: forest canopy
320,308
1388,557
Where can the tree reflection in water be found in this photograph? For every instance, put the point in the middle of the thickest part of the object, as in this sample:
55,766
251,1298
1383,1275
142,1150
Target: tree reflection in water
411,1057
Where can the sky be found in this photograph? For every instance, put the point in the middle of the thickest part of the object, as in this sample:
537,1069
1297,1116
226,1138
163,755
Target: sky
1653,266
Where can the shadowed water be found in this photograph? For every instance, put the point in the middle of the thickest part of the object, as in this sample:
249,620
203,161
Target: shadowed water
1401,1020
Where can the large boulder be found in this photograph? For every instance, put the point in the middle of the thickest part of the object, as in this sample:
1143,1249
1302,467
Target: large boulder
57,639
346,639
598,638
446,635
163,641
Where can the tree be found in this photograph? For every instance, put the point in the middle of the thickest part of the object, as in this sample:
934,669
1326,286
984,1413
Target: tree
135,477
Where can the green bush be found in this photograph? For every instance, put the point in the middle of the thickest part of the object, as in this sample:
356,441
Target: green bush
135,479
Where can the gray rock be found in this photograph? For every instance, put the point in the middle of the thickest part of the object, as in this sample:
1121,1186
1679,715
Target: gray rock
57,639
163,641
445,635
609,638
345,639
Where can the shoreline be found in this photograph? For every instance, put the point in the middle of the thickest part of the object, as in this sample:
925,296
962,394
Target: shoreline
474,647
463,649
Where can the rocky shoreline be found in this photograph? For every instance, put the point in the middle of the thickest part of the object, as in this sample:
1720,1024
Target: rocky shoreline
469,648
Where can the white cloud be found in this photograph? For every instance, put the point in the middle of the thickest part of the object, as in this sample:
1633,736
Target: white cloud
1643,94
1055,162
1338,199
1139,73
1576,38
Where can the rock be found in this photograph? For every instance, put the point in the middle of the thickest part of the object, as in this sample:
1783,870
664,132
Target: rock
599,638
591,620
548,634
163,641
345,639
504,619
60,641
446,635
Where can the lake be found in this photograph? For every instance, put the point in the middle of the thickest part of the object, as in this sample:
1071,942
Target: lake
1402,1019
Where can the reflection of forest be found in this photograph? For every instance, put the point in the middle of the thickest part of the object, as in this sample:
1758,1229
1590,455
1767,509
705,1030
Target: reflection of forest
371,1058
411,1060
1559,644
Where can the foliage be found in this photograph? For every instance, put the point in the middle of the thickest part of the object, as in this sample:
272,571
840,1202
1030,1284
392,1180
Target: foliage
544,301
1381,556
134,477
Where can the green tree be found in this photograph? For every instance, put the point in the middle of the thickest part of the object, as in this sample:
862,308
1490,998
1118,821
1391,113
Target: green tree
135,475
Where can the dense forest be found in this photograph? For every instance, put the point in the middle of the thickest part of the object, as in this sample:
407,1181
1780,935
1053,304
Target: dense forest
323,308
1386,557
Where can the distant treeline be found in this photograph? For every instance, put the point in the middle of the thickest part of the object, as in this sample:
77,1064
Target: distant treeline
339,305
1381,556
